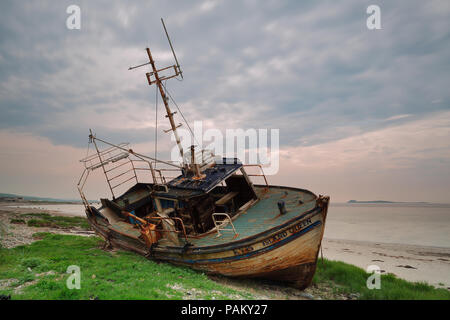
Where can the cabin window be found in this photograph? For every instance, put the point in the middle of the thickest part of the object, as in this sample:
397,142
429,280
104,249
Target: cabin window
167,203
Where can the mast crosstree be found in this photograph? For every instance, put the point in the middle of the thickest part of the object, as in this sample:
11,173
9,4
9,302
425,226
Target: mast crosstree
154,77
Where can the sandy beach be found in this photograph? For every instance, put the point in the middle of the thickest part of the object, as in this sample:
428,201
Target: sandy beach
410,240
411,262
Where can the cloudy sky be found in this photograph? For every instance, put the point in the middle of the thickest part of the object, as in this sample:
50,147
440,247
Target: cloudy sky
362,114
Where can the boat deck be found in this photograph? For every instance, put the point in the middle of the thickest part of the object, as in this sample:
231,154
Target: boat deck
264,215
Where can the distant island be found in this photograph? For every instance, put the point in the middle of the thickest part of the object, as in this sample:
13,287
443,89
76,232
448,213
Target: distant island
381,201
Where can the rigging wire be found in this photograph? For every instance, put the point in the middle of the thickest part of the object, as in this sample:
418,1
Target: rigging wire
87,151
156,123
181,113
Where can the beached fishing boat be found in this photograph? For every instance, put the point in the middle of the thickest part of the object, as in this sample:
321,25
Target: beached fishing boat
209,215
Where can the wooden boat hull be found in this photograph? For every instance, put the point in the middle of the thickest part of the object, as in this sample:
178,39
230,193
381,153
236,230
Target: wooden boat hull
287,253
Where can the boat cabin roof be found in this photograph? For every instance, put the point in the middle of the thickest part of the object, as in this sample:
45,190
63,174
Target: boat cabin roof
213,176
185,186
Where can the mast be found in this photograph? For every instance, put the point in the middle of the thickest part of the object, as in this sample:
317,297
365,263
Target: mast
154,77
158,80
163,95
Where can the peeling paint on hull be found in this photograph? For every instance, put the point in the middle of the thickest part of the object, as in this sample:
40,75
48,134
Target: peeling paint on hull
288,253
291,259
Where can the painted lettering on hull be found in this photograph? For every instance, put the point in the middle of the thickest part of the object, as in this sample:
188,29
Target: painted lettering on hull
274,239
292,230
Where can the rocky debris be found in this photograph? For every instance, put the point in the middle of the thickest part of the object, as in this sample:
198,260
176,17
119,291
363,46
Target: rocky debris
354,296
197,294
43,274
189,294
5,283
11,283
19,289
306,295
268,290
17,234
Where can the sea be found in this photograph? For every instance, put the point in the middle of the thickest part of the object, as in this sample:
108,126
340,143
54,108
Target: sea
424,224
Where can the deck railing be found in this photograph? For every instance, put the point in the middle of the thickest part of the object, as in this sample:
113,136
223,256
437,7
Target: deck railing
123,168
257,175
221,224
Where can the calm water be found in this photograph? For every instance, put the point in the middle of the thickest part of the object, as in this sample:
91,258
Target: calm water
427,225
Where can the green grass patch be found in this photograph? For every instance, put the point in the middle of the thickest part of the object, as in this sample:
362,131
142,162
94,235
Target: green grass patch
346,278
46,220
36,215
17,221
39,271
104,275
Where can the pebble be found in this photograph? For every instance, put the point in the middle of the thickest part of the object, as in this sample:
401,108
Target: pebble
354,295
307,295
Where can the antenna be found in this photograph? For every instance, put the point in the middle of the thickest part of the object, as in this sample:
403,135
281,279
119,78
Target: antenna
154,77
171,47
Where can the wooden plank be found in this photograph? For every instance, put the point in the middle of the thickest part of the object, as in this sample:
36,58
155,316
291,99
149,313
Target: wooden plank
125,229
226,198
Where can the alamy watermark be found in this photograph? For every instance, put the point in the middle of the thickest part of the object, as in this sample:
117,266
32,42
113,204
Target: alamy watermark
374,280
73,21
251,146
74,280
373,22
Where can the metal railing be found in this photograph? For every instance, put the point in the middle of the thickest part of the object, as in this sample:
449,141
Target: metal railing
220,225
257,175
172,219
123,168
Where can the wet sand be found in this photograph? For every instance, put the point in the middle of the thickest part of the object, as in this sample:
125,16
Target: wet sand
409,262
56,208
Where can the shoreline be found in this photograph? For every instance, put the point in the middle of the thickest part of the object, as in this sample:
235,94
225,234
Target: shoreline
413,263
409,262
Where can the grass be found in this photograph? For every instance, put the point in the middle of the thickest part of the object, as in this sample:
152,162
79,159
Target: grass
104,275
347,279
47,220
2,233
17,221
39,271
